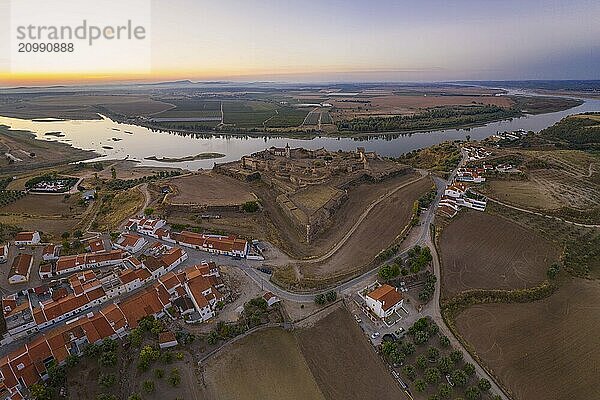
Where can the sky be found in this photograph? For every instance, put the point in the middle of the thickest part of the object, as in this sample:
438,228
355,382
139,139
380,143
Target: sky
342,41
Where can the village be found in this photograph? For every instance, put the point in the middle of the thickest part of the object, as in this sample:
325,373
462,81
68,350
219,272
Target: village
104,293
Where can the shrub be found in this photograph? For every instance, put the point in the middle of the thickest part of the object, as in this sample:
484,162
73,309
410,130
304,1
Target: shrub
432,375
250,206
469,369
472,393
420,385
484,385
148,386
174,377
107,380
159,373
409,371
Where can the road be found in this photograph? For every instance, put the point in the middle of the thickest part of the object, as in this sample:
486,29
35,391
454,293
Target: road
431,309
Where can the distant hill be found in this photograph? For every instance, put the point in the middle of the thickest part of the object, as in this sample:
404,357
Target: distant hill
580,131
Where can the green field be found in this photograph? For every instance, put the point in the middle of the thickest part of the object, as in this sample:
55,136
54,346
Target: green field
192,108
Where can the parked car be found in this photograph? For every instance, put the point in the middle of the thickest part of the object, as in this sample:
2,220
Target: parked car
357,318
375,335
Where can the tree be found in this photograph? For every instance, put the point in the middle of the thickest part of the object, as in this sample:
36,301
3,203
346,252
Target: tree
459,377
456,356
40,392
149,211
387,348
409,371
408,348
433,353
469,369
159,373
553,270
250,206
444,341
135,396
484,385
331,296
472,393
320,299
445,364
113,173
421,337
78,234
444,391
108,359
389,271
432,375
174,378
65,235
420,385
421,362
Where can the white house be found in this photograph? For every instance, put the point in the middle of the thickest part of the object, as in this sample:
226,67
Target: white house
51,252
19,271
384,301
130,242
3,253
270,298
27,238
166,340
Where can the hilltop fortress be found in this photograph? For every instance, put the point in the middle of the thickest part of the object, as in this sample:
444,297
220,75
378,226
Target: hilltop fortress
311,184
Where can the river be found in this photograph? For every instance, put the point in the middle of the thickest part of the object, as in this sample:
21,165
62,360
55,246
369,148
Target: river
114,140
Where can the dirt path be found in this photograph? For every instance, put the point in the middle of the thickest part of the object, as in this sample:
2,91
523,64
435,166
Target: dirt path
543,215
359,221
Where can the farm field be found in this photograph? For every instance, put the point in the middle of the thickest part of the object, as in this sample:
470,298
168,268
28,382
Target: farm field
344,364
265,365
186,109
483,251
208,188
54,227
546,349
82,106
44,204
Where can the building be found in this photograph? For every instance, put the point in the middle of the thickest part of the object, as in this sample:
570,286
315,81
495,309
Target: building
473,175
223,245
45,271
3,253
70,264
166,340
19,271
270,298
27,238
51,252
384,301
147,226
130,242
96,245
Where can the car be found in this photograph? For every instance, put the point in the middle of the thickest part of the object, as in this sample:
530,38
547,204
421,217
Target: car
449,380
375,335
357,318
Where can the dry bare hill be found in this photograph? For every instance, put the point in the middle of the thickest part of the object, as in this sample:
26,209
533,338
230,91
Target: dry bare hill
547,349
209,189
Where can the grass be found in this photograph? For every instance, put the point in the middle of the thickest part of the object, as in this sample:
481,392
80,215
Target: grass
114,209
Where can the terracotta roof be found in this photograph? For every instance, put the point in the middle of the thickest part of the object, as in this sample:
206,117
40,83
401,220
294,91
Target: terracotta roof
129,240
96,245
387,295
24,236
166,337
20,265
